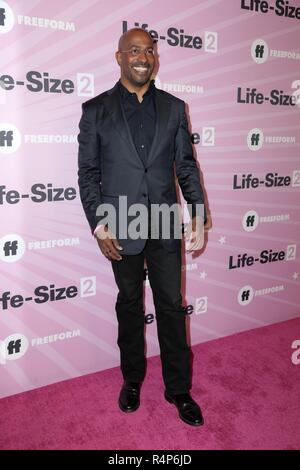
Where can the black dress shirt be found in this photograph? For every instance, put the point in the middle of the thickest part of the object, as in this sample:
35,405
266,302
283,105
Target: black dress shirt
140,118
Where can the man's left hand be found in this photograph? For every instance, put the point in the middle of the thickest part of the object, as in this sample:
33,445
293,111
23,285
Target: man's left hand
194,235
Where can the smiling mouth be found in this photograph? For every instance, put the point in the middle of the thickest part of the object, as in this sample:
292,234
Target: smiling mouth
140,69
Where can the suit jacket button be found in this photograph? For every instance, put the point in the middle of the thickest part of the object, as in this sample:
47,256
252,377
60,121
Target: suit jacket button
146,169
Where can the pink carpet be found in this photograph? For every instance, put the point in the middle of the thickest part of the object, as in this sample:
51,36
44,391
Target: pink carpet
246,384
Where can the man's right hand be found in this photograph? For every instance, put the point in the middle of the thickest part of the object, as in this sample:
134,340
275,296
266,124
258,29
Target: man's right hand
108,244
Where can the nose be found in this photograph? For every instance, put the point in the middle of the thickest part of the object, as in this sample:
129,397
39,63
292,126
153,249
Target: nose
143,54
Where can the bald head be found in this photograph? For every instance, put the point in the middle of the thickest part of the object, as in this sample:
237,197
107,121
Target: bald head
128,36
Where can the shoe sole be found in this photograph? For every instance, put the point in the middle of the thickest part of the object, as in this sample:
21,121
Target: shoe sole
181,417
125,410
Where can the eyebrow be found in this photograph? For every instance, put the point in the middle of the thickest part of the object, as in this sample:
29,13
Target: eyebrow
135,45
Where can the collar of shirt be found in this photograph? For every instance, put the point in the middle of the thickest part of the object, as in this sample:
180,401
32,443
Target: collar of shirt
125,94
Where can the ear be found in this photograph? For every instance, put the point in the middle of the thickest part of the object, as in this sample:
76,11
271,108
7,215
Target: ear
118,57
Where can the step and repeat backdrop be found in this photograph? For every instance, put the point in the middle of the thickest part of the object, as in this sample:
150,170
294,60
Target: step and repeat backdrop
237,66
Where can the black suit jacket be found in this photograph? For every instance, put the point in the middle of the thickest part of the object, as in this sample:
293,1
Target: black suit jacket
109,165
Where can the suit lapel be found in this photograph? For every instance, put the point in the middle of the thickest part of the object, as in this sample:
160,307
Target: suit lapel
112,103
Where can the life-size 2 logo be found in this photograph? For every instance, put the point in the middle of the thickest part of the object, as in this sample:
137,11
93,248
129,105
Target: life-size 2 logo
282,7
175,37
39,193
42,294
265,256
276,97
37,81
271,180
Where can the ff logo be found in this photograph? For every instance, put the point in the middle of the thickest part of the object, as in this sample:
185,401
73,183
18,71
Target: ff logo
12,248
255,139
13,347
245,295
7,19
250,221
2,17
10,138
259,51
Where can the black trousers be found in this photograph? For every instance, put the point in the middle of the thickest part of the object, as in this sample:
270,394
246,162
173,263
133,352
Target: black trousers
164,271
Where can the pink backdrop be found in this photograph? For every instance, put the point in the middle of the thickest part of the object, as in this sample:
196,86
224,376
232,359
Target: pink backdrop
57,292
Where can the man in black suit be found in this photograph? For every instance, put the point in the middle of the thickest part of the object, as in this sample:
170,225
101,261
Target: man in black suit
130,137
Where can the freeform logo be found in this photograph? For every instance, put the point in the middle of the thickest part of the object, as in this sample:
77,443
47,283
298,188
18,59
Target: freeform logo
280,139
62,336
12,248
50,139
178,37
256,139
56,243
39,193
296,354
261,52
246,294
37,82
7,19
48,23
265,256
13,347
51,293
251,220
179,87
10,138
270,180
275,97
281,8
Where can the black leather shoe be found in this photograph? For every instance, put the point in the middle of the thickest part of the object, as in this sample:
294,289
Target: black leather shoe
129,399
189,410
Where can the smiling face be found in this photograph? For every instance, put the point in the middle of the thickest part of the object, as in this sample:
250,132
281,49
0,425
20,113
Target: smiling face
135,58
